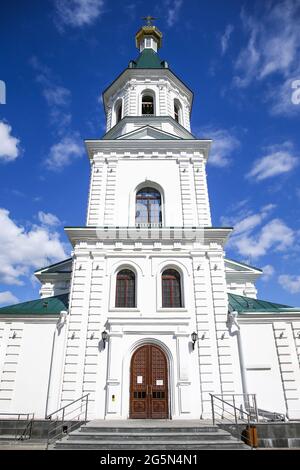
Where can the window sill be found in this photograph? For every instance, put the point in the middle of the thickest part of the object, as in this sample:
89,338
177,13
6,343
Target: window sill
124,309
173,309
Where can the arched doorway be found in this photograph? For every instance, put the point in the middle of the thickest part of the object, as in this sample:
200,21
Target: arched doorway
149,383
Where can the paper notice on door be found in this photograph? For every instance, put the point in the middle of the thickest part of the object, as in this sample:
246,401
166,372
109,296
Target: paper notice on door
159,382
139,379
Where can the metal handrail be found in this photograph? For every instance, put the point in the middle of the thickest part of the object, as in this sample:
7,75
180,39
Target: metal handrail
271,415
235,415
20,429
62,425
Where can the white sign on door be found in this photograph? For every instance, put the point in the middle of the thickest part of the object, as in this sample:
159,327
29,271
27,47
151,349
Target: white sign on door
139,379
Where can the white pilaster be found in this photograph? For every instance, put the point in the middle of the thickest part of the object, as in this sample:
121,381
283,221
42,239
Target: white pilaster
202,200
97,192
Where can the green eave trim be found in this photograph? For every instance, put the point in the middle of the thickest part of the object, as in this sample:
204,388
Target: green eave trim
46,306
243,304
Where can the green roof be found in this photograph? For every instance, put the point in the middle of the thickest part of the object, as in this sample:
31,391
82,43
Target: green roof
148,59
243,304
54,305
55,268
46,306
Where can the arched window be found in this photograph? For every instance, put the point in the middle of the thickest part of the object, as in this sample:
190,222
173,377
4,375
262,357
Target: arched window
125,289
118,111
177,111
147,104
171,289
148,207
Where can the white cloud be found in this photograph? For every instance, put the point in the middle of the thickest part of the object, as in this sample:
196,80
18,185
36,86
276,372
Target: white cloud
281,96
64,152
223,146
272,50
253,220
275,235
9,145
273,43
48,219
25,249
57,96
173,11
225,38
278,160
290,283
7,298
268,272
243,217
254,236
78,13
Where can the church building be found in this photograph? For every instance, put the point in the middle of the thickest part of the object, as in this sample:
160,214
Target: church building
148,316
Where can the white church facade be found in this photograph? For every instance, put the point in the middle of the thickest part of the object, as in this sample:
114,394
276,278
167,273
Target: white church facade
148,315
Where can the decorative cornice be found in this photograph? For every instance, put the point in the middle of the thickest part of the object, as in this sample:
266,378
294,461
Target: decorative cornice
175,148
166,235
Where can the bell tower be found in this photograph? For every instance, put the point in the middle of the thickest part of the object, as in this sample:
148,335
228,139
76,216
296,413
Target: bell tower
148,138
148,266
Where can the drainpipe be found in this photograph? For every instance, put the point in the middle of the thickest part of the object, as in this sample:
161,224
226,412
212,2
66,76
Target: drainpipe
59,325
232,317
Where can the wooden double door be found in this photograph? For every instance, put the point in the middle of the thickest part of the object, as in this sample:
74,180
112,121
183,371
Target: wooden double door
149,383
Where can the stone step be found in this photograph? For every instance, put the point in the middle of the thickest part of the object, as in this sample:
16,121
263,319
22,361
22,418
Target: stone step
9,437
153,445
154,429
152,436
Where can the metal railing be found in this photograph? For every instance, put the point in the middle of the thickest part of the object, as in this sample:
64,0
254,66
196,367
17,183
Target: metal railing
18,426
238,412
67,419
265,415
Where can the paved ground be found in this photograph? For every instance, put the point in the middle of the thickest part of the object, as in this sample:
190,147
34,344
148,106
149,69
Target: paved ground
29,445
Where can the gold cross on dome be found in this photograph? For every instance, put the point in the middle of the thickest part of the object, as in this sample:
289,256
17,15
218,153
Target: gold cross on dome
149,20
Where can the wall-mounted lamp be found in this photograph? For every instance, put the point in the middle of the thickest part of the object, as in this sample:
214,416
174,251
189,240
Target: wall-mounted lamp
73,335
194,337
104,336
281,335
223,335
203,336
92,335
298,335
14,335
215,267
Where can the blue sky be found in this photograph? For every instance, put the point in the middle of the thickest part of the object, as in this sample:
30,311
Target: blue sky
241,59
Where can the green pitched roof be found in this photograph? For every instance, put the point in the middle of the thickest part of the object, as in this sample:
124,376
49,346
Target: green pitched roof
148,59
243,304
46,306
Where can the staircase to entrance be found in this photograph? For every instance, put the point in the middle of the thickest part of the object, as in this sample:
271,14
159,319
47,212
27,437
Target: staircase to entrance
149,435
